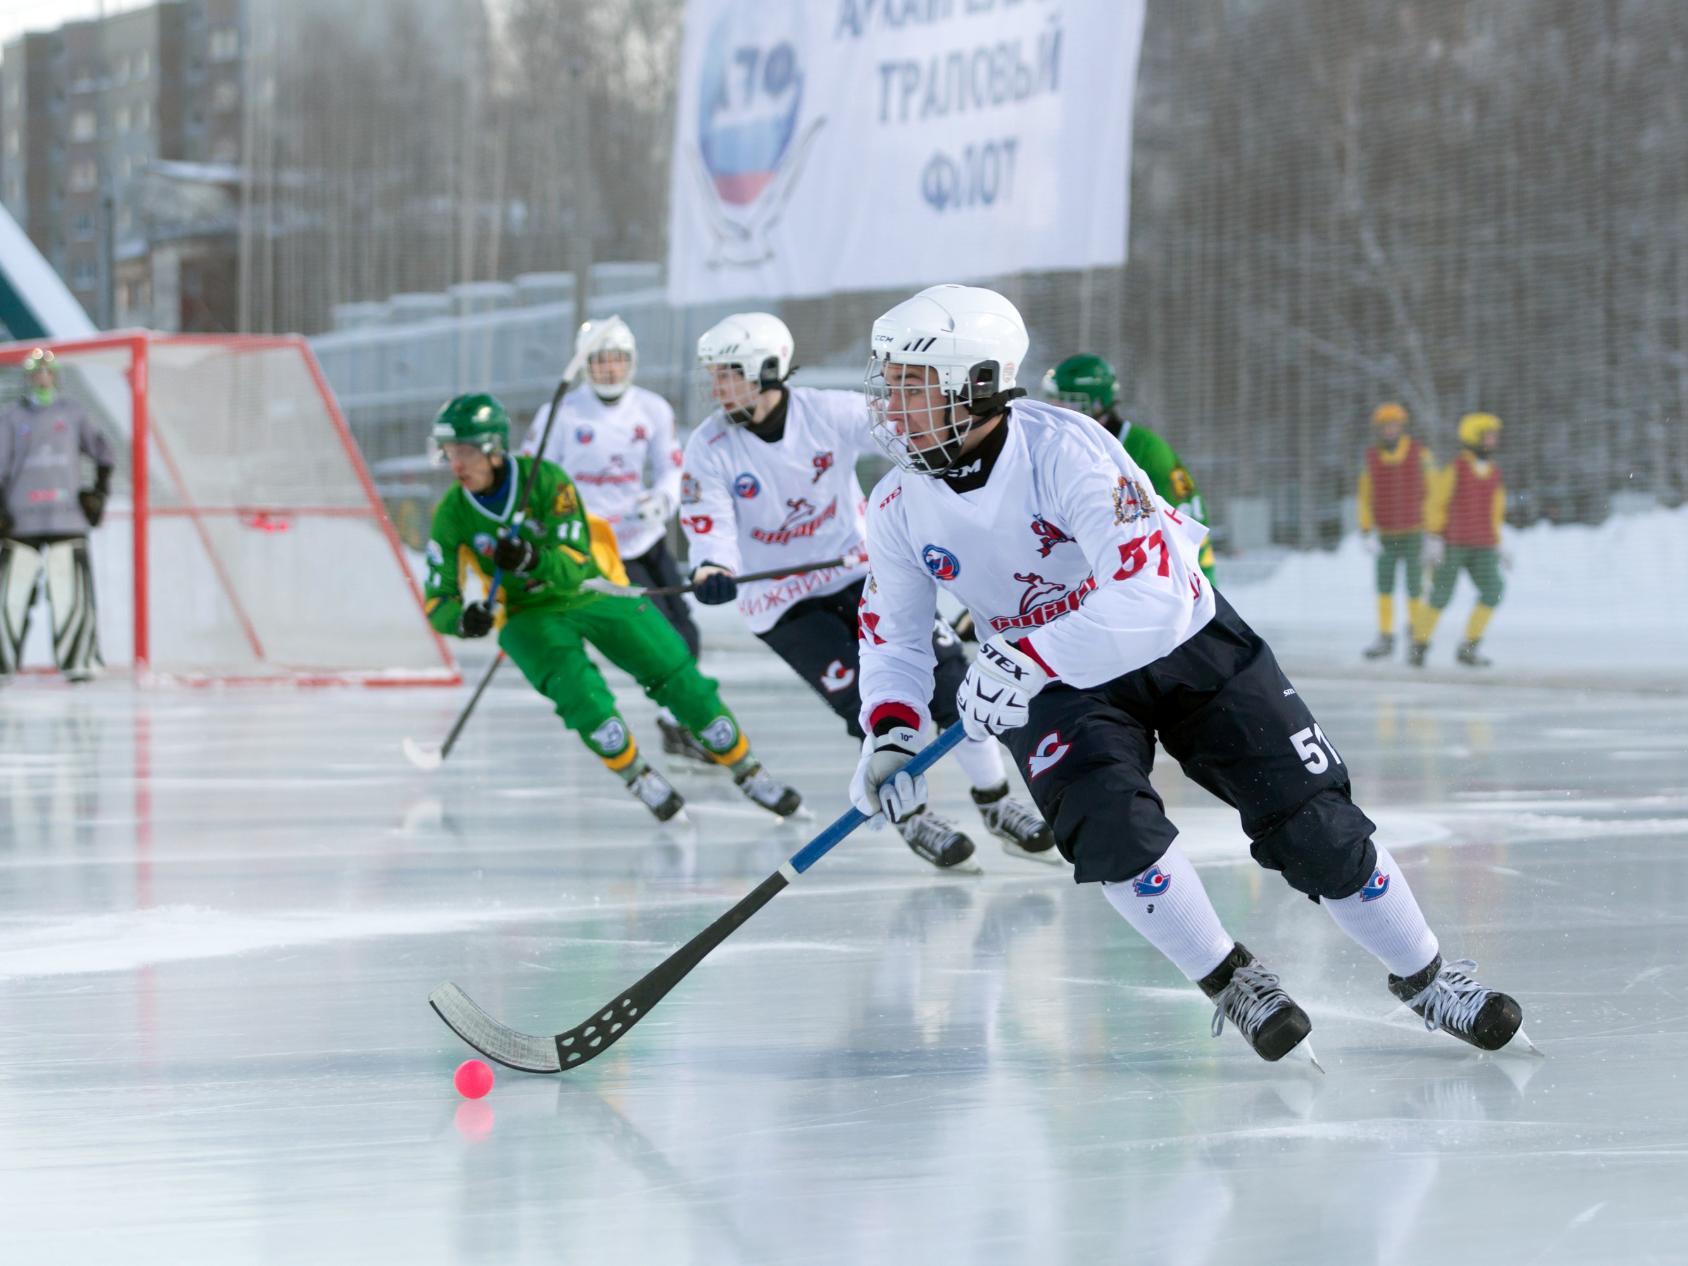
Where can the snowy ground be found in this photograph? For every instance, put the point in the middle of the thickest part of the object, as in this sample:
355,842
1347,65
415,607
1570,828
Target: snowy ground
221,912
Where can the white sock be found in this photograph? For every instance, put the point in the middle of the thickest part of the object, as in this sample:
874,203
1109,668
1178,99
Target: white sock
981,761
1384,918
1169,906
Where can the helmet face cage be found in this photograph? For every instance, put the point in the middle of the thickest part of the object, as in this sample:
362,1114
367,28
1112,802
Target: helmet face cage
613,358
912,409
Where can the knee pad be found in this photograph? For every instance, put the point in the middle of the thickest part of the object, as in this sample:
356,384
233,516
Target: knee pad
1323,849
1110,826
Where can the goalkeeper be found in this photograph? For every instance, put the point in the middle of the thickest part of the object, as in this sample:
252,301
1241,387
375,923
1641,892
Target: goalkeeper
548,619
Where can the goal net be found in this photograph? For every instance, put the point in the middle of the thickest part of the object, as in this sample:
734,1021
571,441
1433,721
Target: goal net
243,539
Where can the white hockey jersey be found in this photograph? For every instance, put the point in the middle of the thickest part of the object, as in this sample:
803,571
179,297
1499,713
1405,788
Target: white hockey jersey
748,505
1066,547
614,452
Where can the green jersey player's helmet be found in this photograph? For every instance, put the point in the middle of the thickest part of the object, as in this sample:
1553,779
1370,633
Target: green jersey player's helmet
477,418
1085,382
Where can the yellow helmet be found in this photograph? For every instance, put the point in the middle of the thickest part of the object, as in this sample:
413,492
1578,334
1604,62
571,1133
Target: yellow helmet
1474,426
1389,414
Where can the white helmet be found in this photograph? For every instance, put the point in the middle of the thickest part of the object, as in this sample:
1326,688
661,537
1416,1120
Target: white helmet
758,345
974,340
608,335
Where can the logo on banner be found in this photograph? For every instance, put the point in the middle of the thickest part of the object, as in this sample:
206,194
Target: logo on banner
746,486
752,138
940,562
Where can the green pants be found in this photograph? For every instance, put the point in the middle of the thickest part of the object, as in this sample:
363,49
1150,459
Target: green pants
1400,549
549,646
1483,564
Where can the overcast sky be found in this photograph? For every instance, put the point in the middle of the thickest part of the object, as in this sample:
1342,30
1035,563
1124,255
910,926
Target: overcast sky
18,16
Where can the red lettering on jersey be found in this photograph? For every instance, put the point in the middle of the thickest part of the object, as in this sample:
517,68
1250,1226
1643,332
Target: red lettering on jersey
1134,557
891,496
1038,616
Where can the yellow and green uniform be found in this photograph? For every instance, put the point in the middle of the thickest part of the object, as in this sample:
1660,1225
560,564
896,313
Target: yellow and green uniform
547,619
1394,495
1170,477
1467,507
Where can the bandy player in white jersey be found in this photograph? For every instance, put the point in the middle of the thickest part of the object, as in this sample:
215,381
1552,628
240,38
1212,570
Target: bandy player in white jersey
770,480
617,442
1103,636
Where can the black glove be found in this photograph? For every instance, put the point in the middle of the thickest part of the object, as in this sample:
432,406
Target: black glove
514,553
93,505
715,588
476,620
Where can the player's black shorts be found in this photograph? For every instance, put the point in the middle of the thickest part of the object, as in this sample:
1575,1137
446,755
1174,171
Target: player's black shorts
817,637
656,569
1223,709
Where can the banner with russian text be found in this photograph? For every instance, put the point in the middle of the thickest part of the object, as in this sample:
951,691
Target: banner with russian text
833,145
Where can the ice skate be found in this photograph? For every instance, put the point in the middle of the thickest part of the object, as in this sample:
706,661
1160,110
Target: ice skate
677,740
1019,826
656,793
1416,653
1471,657
765,791
1251,998
1448,998
936,840
1383,648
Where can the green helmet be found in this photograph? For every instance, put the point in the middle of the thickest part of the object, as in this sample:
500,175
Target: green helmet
1085,381
477,418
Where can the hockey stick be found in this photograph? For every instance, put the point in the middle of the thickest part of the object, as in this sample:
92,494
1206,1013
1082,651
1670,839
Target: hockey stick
430,756
599,585
601,1030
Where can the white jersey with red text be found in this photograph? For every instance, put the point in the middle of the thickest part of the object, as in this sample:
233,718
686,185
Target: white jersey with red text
615,451
1066,550
749,505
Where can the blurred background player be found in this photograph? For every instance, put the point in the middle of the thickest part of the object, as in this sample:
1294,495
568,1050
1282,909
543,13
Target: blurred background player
616,441
1393,487
771,479
1466,512
45,515
548,619
1088,383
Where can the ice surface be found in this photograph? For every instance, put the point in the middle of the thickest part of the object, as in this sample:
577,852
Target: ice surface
221,913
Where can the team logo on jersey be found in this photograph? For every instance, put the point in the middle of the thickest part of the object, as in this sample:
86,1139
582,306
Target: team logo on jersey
1038,590
1375,887
676,457
1050,750
582,435
720,734
756,127
641,433
746,486
434,554
702,524
940,562
1151,883
483,544
610,738
801,521
690,492
1048,536
837,677
822,463
1132,501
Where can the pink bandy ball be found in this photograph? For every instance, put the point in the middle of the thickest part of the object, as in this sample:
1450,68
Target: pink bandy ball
472,1079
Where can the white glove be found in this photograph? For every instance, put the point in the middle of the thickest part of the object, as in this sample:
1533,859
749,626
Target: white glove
1370,543
996,694
880,786
855,560
1435,550
651,507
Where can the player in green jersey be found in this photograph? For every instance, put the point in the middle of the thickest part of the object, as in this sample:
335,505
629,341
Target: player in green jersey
1087,383
547,618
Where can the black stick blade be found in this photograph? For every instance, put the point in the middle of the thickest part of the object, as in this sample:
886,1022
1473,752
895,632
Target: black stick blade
498,1042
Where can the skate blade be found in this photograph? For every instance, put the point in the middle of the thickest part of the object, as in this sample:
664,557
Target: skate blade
1049,857
1528,1048
1303,1050
969,868
422,755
